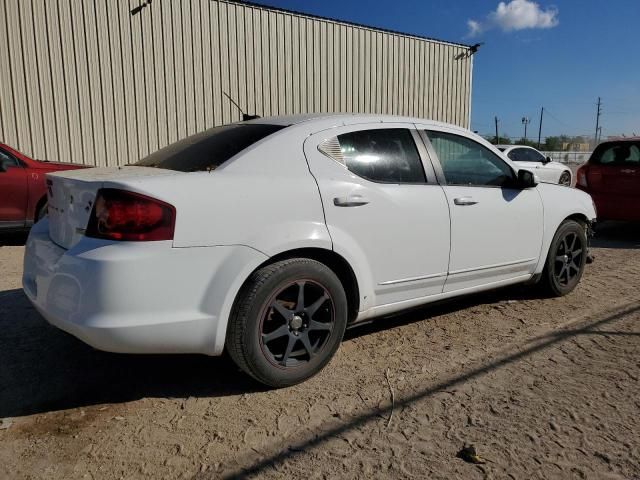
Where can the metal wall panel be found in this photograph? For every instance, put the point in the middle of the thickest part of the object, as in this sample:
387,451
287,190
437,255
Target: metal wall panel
88,82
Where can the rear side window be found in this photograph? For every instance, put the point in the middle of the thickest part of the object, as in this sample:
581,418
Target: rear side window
387,155
617,153
209,149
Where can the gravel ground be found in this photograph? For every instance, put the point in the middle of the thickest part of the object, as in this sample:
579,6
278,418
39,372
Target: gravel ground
543,388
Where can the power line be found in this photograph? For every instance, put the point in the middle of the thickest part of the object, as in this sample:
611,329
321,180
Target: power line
598,119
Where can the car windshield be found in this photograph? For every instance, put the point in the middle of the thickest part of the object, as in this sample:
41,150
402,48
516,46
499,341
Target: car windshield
209,149
617,153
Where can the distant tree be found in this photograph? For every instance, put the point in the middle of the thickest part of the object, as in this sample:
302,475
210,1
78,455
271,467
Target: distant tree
552,144
528,142
499,140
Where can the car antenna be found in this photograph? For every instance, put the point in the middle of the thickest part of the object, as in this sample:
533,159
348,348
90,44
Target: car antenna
245,116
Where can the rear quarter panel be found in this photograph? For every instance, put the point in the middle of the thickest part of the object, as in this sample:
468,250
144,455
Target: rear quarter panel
264,198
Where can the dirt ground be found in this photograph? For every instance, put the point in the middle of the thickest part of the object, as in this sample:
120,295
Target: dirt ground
543,388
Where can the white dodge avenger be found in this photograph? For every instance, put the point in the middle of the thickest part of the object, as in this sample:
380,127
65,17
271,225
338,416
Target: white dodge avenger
268,238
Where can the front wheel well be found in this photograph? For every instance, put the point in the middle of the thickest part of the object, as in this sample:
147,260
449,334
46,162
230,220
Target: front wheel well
336,263
41,203
578,217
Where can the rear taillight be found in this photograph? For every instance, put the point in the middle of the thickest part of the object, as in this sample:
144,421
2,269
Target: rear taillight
581,176
122,215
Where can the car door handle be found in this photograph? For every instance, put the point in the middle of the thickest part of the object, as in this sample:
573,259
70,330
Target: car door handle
464,201
350,201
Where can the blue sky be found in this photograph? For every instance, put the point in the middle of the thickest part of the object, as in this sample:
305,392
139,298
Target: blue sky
561,54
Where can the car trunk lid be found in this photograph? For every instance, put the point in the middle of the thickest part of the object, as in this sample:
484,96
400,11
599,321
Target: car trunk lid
71,195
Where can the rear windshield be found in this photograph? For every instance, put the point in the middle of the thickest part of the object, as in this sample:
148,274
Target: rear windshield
617,153
209,149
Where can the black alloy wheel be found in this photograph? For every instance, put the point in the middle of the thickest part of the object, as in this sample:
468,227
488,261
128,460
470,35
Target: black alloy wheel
297,323
566,259
287,321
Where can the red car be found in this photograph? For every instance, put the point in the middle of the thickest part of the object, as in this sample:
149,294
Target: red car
612,177
23,191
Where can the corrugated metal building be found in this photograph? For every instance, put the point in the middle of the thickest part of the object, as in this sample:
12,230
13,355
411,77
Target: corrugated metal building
90,82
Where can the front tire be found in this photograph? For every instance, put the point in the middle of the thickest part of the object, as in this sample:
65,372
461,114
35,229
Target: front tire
287,322
565,179
566,259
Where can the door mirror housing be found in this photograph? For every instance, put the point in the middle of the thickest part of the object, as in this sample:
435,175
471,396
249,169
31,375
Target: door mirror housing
547,160
526,179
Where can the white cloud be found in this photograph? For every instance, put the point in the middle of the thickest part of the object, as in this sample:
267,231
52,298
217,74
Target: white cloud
515,15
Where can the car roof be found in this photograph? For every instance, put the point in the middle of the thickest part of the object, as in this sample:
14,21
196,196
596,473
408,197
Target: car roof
621,139
347,119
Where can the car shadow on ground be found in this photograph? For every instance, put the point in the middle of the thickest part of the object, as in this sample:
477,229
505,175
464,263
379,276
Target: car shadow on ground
44,369
617,235
13,239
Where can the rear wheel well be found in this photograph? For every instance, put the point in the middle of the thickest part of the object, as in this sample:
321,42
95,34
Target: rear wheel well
337,264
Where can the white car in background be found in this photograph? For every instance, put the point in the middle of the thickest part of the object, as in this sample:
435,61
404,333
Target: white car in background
268,238
547,170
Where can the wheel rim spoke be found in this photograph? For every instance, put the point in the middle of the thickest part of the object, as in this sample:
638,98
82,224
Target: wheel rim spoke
300,304
314,325
282,310
287,352
560,258
304,338
562,270
277,333
313,308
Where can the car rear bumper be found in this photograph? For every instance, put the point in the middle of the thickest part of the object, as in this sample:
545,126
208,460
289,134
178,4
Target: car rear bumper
617,207
135,298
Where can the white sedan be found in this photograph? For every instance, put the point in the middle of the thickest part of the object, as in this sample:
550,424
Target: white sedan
268,238
546,169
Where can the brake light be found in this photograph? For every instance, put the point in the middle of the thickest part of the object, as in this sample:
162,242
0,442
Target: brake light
128,216
582,177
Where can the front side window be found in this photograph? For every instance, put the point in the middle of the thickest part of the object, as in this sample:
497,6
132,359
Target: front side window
209,149
525,155
536,156
6,161
387,155
465,162
620,153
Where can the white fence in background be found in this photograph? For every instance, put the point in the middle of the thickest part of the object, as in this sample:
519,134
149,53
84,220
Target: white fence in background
568,157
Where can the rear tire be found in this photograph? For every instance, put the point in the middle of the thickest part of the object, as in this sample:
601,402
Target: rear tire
287,322
566,259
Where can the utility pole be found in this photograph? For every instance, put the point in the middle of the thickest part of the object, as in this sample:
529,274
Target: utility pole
598,120
540,127
497,137
525,122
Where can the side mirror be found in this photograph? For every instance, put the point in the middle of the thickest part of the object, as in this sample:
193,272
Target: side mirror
526,179
547,160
